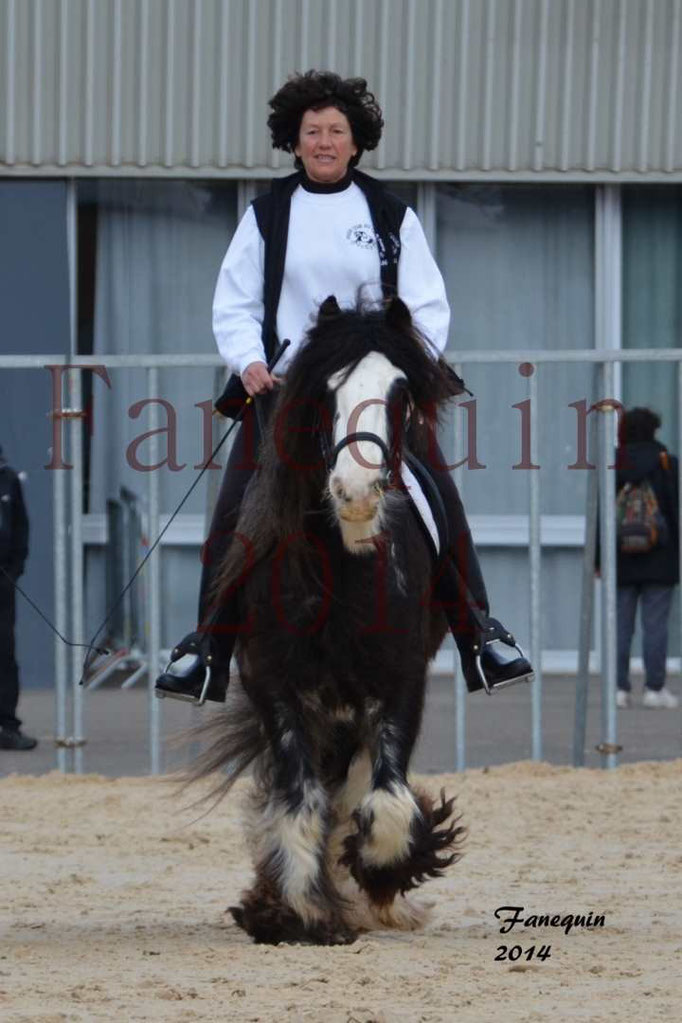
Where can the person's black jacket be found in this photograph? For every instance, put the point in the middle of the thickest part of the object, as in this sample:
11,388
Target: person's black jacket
634,462
13,522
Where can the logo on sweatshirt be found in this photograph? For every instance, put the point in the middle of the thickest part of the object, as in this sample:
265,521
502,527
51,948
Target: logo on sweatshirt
362,235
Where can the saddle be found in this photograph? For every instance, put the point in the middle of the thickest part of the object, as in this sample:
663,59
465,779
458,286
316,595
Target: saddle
450,587
426,503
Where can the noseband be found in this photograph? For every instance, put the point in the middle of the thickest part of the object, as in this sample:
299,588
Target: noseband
331,454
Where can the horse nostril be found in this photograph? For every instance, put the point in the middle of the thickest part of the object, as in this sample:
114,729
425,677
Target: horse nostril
336,487
380,486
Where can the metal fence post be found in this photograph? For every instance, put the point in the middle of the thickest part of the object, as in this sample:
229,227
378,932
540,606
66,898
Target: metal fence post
586,620
607,534
61,614
154,580
535,559
77,575
460,687
586,600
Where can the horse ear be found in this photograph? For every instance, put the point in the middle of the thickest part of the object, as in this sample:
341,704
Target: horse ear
398,315
330,307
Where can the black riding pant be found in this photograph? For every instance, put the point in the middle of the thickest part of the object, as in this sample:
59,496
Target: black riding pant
9,672
449,588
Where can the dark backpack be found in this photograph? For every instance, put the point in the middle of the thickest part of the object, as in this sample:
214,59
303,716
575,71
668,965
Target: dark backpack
641,525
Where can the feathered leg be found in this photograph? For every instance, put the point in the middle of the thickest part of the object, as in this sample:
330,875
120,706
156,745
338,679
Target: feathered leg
402,837
292,898
359,911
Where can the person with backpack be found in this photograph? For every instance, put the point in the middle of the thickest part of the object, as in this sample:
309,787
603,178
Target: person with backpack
647,539
13,554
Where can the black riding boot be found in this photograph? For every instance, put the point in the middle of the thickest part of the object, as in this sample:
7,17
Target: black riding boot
490,656
201,677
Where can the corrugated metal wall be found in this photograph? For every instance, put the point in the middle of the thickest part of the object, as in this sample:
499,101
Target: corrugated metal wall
524,88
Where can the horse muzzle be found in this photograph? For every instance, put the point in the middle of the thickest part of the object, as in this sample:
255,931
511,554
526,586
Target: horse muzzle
358,511
357,493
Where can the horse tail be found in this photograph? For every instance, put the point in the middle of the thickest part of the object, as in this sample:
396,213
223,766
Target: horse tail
233,738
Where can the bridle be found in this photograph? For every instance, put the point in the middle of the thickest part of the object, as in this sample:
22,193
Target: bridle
389,459
331,454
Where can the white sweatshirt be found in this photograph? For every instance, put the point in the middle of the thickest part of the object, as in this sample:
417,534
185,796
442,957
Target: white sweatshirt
331,250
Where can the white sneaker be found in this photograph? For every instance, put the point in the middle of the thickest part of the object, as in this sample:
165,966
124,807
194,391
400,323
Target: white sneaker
623,699
661,699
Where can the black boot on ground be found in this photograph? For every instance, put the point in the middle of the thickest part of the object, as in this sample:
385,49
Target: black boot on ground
13,739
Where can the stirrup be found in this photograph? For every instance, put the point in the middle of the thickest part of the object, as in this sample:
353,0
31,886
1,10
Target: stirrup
495,634
198,645
504,683
198,701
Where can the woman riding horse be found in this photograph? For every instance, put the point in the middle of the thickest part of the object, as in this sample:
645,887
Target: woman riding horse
328,229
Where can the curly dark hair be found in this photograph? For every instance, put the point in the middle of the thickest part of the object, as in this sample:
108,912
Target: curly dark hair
316,90
639,424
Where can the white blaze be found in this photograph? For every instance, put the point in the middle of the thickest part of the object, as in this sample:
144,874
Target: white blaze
361,406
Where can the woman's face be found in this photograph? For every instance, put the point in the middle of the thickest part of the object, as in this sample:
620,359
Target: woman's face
325,145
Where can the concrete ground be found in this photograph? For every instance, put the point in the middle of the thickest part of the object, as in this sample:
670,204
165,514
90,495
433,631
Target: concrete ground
498,729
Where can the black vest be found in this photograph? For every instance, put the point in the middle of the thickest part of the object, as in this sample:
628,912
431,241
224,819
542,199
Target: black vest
272,216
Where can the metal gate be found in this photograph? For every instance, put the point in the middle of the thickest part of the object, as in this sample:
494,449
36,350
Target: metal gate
69,546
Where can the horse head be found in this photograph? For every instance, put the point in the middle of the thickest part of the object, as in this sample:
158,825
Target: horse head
363,380
372,406
366,439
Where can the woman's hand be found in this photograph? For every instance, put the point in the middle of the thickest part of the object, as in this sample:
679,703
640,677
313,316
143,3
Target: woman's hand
257,380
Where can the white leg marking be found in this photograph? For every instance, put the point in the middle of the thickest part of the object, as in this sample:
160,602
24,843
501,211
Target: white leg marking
293,840
359,912
389,839
404,914
356,785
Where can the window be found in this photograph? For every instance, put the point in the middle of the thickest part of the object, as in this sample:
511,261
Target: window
652,297
518,266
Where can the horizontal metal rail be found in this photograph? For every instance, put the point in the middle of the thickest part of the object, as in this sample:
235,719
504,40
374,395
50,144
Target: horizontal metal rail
464,357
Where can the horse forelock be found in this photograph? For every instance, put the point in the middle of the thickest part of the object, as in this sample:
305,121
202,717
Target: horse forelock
335,346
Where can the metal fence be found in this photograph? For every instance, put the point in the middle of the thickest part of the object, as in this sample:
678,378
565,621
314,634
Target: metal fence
69,545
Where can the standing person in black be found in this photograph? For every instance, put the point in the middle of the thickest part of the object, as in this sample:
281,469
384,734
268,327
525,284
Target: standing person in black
647,578
329,229
13,554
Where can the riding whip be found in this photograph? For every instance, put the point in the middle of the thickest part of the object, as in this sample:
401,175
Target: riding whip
281,348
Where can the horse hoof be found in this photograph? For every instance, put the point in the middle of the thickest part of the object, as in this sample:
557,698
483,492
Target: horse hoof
237,914
331,935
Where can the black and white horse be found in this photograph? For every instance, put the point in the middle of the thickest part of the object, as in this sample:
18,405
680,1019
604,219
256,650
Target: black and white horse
337,631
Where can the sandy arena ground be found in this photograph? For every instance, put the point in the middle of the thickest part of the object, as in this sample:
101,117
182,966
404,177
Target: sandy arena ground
113,908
